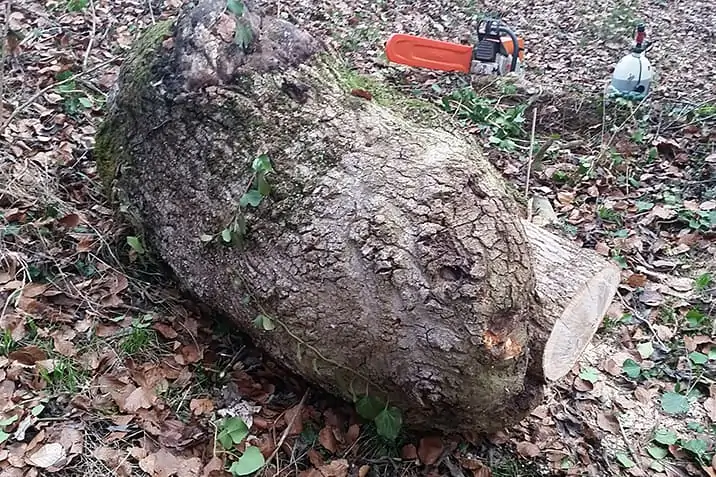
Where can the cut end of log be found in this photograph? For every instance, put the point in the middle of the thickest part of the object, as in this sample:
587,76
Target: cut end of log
575,285
581,318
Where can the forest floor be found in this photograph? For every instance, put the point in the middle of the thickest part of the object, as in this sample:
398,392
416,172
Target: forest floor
105,369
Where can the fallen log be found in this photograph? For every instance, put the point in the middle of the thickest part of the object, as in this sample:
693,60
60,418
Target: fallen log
360,238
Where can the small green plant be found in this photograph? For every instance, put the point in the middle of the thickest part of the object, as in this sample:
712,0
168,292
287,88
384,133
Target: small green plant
388,419
7,343
243,34
77,5
75,100
589,374
258,189
136,244
699,220
631,368
65,376
501,124
232,431
610,215
139,337
704,281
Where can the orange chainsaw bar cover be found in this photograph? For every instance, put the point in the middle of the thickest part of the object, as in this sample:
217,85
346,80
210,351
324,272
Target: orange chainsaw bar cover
426,53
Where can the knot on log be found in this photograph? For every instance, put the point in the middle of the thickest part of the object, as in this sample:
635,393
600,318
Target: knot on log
215,43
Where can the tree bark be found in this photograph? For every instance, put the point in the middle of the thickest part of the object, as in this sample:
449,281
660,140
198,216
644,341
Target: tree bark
389,255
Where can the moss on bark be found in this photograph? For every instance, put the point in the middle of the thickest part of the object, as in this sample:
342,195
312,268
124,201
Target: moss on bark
109,151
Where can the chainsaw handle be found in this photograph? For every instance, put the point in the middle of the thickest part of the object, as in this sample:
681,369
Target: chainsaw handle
515,46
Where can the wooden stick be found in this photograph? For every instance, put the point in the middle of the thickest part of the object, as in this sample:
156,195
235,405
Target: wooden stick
532,145
284,435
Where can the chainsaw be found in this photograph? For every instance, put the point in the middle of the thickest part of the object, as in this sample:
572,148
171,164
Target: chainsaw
493,54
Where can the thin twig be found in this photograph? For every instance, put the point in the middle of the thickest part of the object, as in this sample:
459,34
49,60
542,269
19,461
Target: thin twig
3,40
532,145
284,435
633,453
92,35
636,315
44,90
151,12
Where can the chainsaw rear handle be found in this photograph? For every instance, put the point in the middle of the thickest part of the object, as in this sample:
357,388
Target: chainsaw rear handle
515,46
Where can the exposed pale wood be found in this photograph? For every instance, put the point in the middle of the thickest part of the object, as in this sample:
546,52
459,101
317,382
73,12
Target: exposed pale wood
576,286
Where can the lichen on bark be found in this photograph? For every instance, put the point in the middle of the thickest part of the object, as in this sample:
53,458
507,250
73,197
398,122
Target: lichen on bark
388,251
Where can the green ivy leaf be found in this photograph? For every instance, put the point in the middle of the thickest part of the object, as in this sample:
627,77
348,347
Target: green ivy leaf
645,349
695,426
4,436
264,322
625,461
86,102
674,403
657,452
368,407
233,431
236,7
589,374
251,461
226,235
703,281
642,206
388,423
136,244
243,36
206,237
263,186
37,410
696,446
262,164
631,368
695,318
698,358
665,436
252,198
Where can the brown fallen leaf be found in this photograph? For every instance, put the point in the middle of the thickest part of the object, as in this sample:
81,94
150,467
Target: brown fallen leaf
409,452
165,464
328,439
47,455
363,471
582,385
201,406
315,458
710,406
28,355
70,221
608,422
291,415
114,459
361,93
214,466
352,434
139,398
643,395
430,450
636,280
165,330
337,468
528,449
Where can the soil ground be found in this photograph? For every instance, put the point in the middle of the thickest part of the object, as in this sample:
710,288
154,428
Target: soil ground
106,369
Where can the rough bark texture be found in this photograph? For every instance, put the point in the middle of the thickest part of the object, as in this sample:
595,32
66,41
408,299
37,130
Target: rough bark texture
389,253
